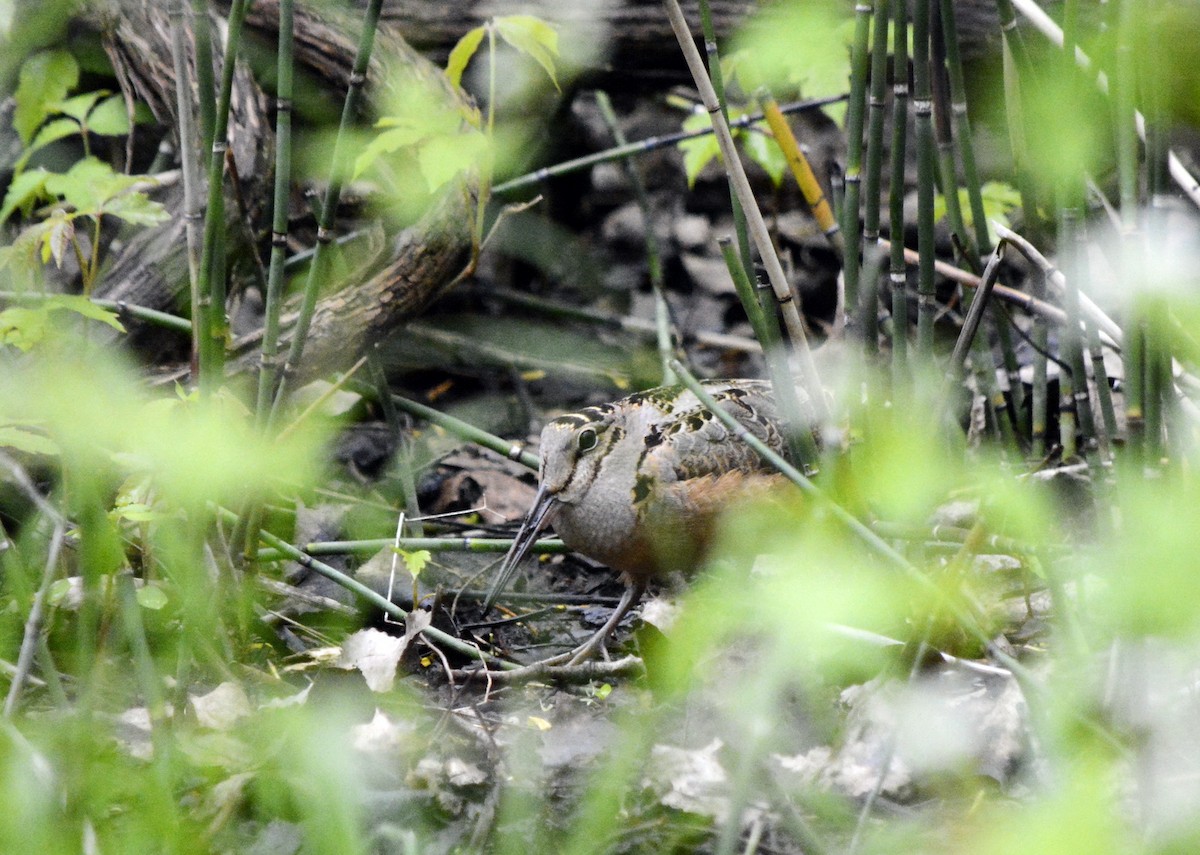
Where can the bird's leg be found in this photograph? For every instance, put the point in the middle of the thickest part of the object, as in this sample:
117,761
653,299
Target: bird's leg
633,593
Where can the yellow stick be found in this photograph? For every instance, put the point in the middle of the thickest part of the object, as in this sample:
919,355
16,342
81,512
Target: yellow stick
807,181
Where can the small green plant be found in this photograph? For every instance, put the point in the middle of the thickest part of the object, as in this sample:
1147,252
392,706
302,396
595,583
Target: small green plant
44,114
443,141
999,200
89,191
755,140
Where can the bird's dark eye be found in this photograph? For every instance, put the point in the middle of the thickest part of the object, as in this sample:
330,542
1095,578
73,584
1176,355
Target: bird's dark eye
587,440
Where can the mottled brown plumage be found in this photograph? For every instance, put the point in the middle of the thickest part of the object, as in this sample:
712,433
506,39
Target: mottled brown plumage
638,483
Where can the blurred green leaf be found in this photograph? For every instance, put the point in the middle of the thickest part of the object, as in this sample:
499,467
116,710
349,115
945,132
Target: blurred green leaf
762,150
24,191
78,106
462,53
698,151
92,188
1078,816
1070,124
195,452
23,328
22,438
801,47
134,512
531,36
152,596
442,160
425,131
109,118
50,132
1146,560
136,208
83,306
44,79
999,200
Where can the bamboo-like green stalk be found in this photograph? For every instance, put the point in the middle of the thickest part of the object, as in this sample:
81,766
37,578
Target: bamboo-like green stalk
869,273
758,227
1100,376
478,545
949,114
1125,84
1017,67
662,310
189,167
507,448
855,120
1155,415
1012,370
740,228
961,125
944,107
33,622
1154,109
1157,379
966,336
371,596
215,329
206,85
898,273
800,439
269,366
647,145
1106,423
1071,194
1039,414
1134,355
337,173
926,158
405,468
757,315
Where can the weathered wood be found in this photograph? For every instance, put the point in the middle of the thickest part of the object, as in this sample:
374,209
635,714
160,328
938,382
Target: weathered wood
425,258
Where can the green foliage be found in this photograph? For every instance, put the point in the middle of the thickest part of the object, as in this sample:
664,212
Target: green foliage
426,131
999,200
24,327
528,34
196,451
755,140
415,560
45,79
425,142
89,189
797,47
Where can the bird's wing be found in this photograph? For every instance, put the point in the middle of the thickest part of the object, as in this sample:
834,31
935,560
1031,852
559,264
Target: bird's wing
692,442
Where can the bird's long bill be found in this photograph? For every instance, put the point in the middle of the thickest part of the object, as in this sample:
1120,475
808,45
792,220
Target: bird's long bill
538,516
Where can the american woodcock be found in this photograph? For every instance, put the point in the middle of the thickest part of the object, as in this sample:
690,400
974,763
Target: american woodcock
637,483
